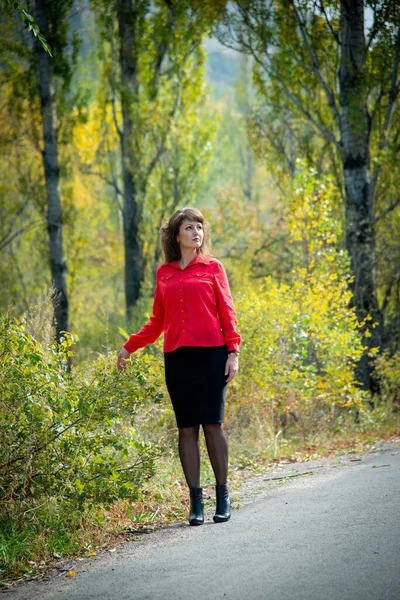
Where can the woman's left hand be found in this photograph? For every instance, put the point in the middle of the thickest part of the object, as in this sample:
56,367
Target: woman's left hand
231,367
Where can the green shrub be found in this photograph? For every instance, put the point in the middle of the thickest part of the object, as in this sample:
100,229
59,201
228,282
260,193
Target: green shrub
301,340
388,370
70,434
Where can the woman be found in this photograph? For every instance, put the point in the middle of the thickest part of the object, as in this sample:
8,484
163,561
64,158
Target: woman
193,306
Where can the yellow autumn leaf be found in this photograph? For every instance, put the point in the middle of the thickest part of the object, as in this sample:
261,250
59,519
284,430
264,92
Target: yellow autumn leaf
70,574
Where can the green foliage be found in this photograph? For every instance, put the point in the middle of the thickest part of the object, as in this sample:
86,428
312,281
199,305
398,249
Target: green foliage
70,434
23,233
233,243
29,22
388,370
300,348
74,442
167,59
300,339
300,108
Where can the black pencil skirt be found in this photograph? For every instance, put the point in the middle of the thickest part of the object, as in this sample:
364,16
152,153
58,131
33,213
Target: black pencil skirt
196,382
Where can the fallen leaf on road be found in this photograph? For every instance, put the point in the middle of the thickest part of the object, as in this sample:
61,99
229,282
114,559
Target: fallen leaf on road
112,550
91,554
379,466
70,574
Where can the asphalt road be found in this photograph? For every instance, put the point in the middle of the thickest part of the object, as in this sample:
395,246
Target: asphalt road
331,535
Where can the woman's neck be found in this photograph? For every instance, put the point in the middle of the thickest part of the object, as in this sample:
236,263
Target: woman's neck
186,257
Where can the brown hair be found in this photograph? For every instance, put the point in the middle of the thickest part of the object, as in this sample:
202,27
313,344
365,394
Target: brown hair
170,230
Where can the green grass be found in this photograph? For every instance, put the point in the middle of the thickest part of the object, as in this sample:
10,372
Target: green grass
26,540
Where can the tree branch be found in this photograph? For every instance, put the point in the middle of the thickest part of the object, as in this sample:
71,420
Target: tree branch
394,92
388,293
162,51
17,213
315,63
114,112
333,32
249,48
267,245
378,22
297,102
112,88
377,105
161,148
113,184
6,241
387,210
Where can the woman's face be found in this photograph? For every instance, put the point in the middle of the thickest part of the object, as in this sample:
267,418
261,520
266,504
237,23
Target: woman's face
191,234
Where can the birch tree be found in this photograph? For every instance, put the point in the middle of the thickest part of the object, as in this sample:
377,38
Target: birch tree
339,75
51,21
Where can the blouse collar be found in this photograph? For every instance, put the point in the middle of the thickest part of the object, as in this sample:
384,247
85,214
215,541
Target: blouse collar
198,259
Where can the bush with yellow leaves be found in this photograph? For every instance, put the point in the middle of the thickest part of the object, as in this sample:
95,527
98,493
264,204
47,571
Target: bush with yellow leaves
301,339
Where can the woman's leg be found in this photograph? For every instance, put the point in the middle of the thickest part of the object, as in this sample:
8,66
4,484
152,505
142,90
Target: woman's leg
217,447
189,454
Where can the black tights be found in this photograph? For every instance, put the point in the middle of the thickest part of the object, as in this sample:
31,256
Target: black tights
189,452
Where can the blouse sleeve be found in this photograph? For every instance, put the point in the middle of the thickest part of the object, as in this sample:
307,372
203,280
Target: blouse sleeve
153,328
226,310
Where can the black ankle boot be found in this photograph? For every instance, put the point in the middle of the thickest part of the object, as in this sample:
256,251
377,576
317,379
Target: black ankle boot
196,516
223,512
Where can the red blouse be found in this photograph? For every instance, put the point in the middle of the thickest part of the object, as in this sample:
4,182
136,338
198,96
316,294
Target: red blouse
193,306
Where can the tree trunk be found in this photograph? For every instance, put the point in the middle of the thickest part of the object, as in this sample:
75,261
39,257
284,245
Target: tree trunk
128,22
51,169
359,195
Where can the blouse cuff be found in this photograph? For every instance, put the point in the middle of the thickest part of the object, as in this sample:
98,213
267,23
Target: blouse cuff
233,348
130,345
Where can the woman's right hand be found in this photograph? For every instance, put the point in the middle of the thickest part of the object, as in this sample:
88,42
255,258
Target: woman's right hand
122,358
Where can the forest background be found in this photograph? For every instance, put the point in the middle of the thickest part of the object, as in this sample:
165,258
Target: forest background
280,121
